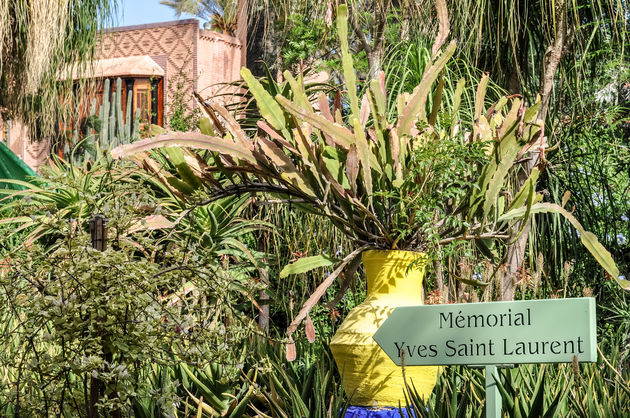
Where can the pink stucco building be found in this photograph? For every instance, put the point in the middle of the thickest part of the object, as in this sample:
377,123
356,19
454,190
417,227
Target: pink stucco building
156,62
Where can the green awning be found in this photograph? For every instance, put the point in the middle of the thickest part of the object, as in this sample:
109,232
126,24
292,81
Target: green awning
13,168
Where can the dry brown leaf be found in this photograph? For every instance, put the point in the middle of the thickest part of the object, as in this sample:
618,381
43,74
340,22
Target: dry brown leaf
442,12
290,350
310,329
352,167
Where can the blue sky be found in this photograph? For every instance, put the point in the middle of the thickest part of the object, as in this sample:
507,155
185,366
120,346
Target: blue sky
138,12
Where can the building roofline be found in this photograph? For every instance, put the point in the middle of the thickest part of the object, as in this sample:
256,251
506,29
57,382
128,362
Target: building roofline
152,25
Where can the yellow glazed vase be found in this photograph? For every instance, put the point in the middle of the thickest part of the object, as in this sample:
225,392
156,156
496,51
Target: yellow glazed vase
370,377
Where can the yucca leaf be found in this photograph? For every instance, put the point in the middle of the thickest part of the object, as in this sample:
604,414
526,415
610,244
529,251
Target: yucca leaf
150,223
364,157
324,106
299,95
539,395
275,135
397,154
17,219
186,139
333,161
205,126
378,94
552,409
480,95
283,161
321,290
589,240
240,407
213,399
444,26
176,156
457,100
235,129
437,100
268,107
308,158
340,134
508,148
482,130
305,264
415,107
510,119
346,59
505,395
522,194
483,245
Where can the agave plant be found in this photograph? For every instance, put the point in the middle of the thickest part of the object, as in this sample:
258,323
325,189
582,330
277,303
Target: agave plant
73,193
372,172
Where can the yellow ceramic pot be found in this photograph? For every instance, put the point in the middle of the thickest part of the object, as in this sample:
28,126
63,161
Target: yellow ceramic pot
370,377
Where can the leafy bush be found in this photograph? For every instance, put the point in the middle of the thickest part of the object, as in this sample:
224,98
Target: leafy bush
83,327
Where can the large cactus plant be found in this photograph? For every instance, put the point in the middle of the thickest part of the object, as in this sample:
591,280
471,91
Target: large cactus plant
360,169
106,128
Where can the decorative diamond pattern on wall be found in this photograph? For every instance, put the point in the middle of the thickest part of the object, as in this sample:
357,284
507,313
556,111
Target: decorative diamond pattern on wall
174,42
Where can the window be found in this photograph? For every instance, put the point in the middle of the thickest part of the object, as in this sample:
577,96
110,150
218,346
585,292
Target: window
142,102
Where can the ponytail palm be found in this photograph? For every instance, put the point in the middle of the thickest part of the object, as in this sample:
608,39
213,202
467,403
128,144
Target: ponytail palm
37,39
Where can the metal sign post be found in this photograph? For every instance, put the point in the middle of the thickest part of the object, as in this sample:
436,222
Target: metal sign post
493,396
491,334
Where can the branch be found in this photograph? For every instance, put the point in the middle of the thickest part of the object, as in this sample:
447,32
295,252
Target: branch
348,275
380,16
473,237
358,30
553,57
315,297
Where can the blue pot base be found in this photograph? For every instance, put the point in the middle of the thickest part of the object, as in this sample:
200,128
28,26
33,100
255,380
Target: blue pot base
369,412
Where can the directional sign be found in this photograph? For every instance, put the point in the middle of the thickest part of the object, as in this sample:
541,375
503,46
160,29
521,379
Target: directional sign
533,331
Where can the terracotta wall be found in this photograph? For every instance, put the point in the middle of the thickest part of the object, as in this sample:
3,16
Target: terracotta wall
219,62
195,58
35,154
171,45
191,57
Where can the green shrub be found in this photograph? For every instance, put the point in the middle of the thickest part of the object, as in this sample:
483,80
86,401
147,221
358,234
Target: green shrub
78,320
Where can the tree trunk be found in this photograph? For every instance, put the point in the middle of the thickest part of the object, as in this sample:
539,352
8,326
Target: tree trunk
553,57
241,28
261,47
374,47
515,256
375,60
515,259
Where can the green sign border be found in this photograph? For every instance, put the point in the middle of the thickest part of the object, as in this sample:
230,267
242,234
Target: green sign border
492,333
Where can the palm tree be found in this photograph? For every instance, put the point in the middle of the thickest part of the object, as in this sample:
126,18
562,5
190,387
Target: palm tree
222,14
